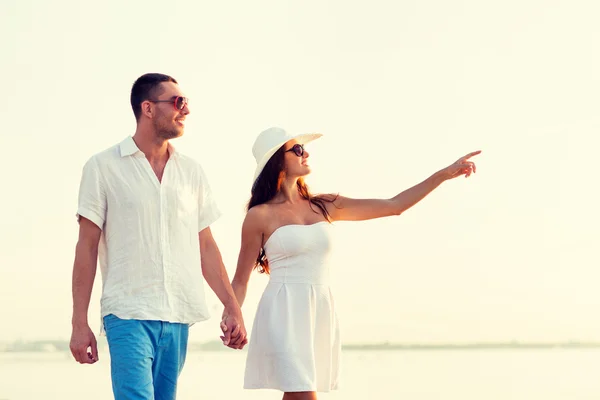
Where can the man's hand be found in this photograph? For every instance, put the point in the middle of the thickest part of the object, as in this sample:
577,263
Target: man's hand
82,341
234,331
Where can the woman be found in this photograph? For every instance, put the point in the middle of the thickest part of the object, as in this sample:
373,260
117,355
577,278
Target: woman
295,345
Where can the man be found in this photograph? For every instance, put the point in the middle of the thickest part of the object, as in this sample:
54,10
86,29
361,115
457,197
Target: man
145,211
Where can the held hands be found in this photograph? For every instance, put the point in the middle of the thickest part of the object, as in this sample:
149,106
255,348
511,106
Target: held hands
82,339
234,331
460,167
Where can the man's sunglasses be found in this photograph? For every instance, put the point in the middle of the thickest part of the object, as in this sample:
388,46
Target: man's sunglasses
298,149
179,102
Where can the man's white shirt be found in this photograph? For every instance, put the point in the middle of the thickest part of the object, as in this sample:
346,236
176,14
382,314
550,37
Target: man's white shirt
149,251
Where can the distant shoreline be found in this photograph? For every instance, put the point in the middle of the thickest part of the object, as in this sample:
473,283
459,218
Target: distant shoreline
471,346
51,346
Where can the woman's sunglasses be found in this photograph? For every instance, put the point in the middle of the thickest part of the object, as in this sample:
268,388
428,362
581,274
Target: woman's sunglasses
298,149
179,102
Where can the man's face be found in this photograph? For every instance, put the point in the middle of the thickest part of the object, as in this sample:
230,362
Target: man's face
169,121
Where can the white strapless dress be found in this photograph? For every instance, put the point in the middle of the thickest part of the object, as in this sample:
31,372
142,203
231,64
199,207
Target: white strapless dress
295,342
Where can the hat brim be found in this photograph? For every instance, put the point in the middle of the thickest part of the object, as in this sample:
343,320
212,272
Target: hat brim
302,138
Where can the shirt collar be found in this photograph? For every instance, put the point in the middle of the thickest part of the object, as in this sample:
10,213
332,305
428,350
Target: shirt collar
128,148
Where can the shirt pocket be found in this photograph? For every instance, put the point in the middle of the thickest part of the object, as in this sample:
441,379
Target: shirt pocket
186,202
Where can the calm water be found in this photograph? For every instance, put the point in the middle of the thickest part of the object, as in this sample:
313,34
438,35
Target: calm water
417,375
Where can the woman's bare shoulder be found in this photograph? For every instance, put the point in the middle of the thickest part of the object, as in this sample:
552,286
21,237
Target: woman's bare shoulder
256,217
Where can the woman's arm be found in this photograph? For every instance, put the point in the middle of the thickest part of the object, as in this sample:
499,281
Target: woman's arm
249,250
348,209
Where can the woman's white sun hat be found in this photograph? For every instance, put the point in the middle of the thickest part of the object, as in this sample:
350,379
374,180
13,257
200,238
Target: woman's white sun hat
269,141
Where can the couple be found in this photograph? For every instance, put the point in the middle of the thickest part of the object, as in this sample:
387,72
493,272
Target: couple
145,212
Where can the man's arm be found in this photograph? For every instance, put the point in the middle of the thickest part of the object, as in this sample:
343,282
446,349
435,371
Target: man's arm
84,272
215,274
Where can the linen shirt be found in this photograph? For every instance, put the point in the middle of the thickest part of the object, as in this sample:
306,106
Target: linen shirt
149,250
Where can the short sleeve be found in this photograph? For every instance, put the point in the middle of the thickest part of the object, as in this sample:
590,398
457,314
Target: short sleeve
208,212
92,195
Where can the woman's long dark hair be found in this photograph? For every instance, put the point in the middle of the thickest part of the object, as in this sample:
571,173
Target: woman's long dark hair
268,184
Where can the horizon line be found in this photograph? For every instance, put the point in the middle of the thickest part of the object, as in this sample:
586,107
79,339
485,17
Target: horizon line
59,346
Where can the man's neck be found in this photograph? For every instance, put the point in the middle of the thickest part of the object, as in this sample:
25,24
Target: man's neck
155,149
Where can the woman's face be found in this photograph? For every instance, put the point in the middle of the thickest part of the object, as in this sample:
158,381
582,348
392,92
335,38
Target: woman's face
296,159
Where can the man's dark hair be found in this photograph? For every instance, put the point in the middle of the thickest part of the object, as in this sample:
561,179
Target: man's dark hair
146,87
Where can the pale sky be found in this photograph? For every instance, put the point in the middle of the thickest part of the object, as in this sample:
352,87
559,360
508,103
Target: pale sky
399,90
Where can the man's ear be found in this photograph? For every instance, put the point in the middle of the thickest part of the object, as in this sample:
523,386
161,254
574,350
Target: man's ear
146,107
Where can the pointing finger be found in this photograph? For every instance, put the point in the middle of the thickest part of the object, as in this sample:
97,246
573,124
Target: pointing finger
471,155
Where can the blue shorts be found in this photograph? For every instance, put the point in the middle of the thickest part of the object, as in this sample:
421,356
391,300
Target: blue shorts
146,357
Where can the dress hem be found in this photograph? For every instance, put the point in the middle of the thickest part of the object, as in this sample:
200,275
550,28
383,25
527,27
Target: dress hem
288,390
